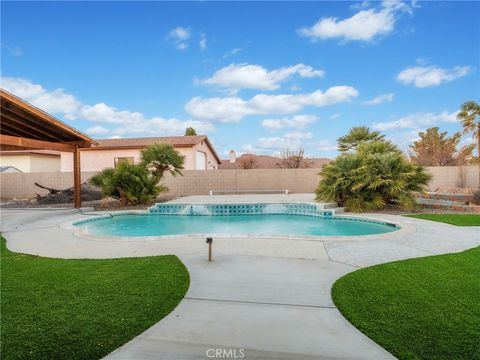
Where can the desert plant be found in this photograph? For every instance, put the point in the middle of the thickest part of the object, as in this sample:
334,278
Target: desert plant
436,148
375,174
290,159
161,158
248,162
130,183
469,115
357,136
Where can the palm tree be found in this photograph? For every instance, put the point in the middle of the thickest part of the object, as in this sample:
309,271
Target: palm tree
357,136
469,115
161,158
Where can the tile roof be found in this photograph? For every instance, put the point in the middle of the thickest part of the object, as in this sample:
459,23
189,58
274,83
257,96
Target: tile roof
270,162
146,141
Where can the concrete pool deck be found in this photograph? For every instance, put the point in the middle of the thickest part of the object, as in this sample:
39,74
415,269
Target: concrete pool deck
259,295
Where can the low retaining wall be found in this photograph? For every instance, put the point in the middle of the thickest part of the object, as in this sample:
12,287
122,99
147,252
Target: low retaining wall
200,182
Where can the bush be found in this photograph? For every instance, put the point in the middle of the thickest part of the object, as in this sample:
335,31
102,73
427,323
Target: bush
131,184
476,197
374,174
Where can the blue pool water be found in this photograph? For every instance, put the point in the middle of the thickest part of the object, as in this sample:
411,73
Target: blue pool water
157,225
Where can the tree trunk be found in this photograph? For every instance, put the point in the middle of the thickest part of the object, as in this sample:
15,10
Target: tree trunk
478,149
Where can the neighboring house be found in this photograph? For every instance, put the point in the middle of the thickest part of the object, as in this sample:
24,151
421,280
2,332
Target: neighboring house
252,161
28,161
8,170
198,151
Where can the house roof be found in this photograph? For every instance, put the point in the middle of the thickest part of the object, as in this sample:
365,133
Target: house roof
139,143
270,162
5,169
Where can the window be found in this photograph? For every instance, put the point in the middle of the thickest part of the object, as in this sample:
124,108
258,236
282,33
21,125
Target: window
119,160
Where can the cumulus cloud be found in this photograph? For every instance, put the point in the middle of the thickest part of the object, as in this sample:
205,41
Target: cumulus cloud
299,135
247,76
366,25
56,101
379,99
124,122
179,36
97,130
297,122
231,109
413,121
426,76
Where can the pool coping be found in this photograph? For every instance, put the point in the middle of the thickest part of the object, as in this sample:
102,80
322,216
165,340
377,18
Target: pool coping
403,228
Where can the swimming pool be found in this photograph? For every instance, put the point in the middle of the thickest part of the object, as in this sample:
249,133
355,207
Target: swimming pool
302,220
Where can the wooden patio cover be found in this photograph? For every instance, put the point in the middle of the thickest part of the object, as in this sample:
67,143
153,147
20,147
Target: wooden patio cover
24,127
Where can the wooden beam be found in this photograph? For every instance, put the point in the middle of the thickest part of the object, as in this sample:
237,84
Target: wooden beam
46,119
22,142
36,132
77,178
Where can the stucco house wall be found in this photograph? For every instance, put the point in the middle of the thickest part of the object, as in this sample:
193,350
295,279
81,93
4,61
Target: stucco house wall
32,162
98,159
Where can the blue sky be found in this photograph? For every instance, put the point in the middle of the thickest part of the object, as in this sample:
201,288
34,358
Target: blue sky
255,77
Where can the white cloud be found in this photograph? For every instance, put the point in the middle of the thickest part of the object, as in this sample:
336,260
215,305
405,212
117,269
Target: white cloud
180,33
425,76
299,135
56,101
334,116
232,52
125,122
324,145
379,99
97,130
278,143
203,42
413,121
365,25
179,36
231,109
247,76
297,122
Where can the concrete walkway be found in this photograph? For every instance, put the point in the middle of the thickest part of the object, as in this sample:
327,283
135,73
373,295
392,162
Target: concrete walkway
264,298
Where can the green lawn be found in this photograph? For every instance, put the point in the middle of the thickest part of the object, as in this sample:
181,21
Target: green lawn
453,219
426,308
82,309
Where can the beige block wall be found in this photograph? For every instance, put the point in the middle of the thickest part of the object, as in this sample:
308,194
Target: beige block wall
197,182
449,176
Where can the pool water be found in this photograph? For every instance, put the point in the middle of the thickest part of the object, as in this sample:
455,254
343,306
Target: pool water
158,225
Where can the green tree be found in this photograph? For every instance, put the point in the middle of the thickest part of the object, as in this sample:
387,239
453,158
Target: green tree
436,148
374,174
469,115
357,136
131,184
161,158
190,131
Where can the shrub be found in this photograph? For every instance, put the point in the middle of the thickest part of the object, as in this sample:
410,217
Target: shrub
131,184
374,174
476,197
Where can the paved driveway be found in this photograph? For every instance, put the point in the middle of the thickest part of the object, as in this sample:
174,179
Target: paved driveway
261,298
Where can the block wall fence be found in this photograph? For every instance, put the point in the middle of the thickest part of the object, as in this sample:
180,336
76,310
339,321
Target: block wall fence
200,182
